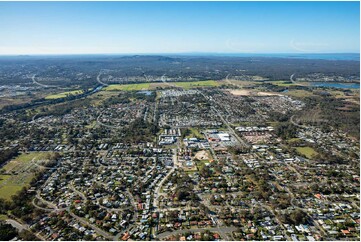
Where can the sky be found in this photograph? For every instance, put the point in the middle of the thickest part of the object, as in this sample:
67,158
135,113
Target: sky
178,27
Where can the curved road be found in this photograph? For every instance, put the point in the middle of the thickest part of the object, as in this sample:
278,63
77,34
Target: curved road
106,125
294,82
99,81
43,85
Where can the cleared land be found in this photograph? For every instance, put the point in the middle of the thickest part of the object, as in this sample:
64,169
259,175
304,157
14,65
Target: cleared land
64,94
306,151
18,173
203,155
247,92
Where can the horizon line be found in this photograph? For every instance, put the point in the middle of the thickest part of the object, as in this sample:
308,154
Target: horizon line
185,53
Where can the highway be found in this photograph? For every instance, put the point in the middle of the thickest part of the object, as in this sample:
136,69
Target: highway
294,82
99,81
37,83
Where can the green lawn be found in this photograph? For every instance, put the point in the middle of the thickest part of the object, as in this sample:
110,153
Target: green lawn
8,191
32,155
21,171
3,217
3,178
64,94
128,87
306,151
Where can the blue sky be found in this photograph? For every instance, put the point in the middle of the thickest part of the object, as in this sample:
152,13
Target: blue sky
177,27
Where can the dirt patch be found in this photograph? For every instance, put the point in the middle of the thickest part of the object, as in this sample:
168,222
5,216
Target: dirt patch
202,155
268,94
247,92
242,92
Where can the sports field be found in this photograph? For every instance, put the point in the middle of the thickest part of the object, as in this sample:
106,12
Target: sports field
306,151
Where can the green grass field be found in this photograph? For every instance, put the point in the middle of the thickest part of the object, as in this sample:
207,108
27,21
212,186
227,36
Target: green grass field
190,85
64,94
4,178
20,172
8,191
128,87
306,151
293,140
282,83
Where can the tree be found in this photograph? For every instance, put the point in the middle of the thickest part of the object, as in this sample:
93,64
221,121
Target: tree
298,217
27,236
7,232
286,130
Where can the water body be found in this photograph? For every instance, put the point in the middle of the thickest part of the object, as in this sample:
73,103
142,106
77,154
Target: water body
336,85
315,56
147,93
346,56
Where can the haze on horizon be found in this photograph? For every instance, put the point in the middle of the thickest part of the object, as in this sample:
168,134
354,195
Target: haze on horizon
177,27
